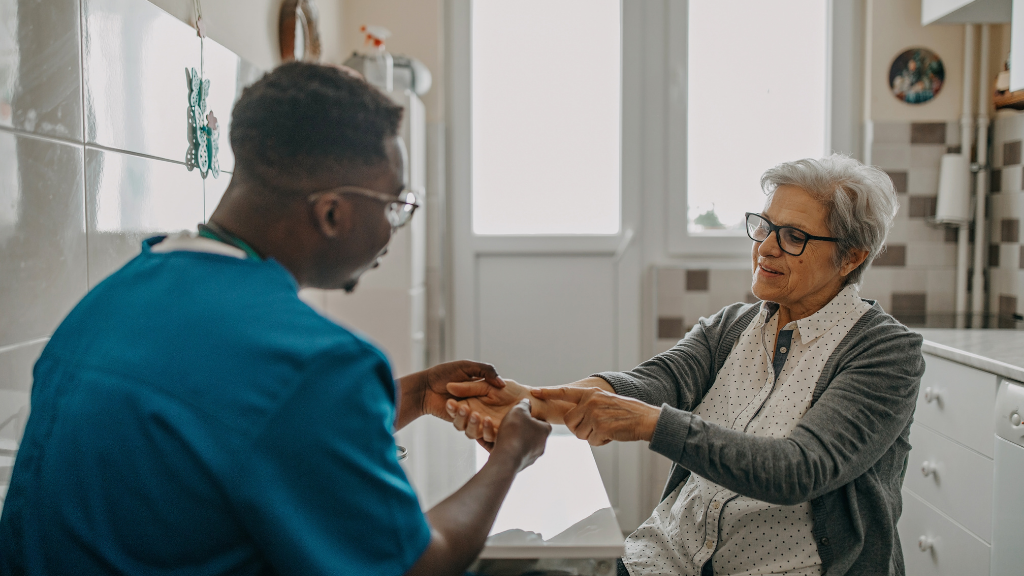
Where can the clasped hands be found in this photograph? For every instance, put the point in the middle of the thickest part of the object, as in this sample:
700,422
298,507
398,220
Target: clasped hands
589,408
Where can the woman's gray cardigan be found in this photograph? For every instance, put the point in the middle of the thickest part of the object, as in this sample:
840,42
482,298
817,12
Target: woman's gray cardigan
847,455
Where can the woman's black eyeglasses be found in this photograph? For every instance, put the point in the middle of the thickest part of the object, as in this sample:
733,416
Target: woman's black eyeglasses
793,241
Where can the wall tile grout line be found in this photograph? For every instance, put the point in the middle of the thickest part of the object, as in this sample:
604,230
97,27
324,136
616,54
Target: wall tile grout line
92,145
85,169
12,347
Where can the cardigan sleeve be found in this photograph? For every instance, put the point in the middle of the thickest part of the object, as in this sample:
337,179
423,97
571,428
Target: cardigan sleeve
681,376
866,405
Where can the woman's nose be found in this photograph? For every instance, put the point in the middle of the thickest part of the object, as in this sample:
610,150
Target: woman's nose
770,246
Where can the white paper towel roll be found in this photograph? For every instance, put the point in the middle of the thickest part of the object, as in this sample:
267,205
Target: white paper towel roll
954,203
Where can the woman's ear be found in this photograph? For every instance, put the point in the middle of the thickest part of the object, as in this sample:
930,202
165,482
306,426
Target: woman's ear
854,259
332,215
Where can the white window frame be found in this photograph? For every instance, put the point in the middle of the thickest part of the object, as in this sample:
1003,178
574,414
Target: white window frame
843,109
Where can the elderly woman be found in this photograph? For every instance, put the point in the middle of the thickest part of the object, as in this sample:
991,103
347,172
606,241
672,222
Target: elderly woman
787,420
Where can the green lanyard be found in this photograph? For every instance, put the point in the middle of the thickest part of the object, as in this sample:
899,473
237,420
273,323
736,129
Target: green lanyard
214,232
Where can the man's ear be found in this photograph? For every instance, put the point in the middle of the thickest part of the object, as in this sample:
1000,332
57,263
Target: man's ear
332,215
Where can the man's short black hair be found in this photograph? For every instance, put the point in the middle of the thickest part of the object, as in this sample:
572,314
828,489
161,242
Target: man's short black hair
302,119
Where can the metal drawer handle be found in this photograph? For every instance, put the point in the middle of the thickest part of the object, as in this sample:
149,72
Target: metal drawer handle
928,468
931,395
926,544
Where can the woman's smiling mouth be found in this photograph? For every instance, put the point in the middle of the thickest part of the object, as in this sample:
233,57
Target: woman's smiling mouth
768,270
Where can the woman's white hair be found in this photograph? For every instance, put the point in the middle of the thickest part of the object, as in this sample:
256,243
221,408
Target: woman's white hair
860,202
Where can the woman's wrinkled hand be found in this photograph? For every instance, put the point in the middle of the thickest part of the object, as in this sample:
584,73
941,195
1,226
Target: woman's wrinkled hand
600,417
480,415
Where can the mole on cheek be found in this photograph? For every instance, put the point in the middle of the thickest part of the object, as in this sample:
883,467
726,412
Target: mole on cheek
800,261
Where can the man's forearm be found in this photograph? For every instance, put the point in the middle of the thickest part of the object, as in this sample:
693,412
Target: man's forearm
410,398
461,522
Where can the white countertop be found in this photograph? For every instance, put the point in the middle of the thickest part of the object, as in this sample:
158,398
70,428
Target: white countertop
1000,352
556,508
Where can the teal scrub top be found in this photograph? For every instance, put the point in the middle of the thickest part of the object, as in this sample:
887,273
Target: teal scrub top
192,416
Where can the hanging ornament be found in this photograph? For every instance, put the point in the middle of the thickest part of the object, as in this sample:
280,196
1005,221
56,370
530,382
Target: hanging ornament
203,132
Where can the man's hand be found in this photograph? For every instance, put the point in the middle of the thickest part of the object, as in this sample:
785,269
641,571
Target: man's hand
523,437
426,392
600,416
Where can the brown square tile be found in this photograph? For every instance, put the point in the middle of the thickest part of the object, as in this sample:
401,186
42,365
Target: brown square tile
1007,305
892,255
995,180
953,149
951,234
899,180
1021,263
1009,230
928,133
1007,311
697,280
922,206
670,328
1011,153
909,307
993,255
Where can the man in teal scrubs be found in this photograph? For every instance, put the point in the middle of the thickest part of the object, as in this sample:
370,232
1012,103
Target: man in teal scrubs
193,416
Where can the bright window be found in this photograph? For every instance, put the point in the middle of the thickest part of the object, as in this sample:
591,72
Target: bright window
546,97
757,97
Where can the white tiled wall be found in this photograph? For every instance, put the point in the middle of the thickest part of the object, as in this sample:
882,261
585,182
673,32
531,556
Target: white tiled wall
92,147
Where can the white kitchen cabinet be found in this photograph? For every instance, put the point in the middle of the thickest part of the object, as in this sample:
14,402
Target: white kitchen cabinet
934,545
949,497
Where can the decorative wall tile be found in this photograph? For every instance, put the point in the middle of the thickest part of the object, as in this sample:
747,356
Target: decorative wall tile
891,132
928,133
995,180
930,255
893,255
1011,153
910,308
696,280
213,191
927,156
136,95
670,282
923,180
1010,230
993,255
40,71
953,134
42,235
1007,311
951,234
922,206
1010,178
1021,263
891,157
899,180
670,328
130,198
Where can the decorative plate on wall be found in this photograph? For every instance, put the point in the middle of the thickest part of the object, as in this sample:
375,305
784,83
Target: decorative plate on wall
916,75
299,31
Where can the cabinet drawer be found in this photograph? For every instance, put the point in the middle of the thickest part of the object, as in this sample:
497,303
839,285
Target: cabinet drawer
958,480
952,551
957,401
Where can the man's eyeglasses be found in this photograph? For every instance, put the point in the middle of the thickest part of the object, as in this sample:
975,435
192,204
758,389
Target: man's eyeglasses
399,210
793,241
